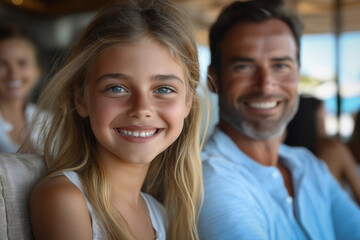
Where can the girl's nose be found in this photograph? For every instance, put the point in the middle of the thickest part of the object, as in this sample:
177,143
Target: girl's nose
141,106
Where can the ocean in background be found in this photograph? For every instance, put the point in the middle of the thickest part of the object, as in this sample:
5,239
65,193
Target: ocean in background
349,105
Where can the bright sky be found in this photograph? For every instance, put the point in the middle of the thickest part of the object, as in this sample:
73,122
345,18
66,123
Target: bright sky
318,57
318,60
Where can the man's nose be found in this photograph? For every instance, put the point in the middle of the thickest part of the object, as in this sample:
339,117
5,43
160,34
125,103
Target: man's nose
265,79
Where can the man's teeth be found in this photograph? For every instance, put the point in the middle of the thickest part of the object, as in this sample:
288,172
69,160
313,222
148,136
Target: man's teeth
137,133
263,105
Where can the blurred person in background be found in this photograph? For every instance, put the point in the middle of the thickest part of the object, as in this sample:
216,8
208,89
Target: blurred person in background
19,73
307,129
354,141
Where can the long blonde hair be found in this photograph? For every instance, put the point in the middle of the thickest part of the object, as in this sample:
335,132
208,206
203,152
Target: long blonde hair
174,177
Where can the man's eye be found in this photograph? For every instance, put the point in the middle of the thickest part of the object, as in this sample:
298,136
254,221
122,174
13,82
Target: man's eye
116,89
164,90
243,68
280,66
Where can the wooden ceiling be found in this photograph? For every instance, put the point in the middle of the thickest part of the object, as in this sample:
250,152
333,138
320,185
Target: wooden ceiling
318,15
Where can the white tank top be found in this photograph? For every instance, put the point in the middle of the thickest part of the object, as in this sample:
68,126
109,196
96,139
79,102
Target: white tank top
156,210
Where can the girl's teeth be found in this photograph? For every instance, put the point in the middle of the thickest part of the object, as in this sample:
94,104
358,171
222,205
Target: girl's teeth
137,133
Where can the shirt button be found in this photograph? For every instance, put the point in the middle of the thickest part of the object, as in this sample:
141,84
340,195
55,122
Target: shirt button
289,200
275,174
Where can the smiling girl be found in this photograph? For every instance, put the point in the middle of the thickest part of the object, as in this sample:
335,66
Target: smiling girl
122,136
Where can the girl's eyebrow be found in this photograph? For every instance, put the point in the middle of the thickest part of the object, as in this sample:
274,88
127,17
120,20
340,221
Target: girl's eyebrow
112,75
167,77
159,77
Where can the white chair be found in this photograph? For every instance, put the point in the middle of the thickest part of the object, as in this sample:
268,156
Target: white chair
18,174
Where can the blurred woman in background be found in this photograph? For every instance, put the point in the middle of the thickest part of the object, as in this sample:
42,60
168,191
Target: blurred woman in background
307,129
19,72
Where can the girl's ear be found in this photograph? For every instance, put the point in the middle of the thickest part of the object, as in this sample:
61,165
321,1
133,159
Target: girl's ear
80,102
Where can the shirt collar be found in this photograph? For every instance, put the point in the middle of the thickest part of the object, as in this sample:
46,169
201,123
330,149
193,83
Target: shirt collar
225,145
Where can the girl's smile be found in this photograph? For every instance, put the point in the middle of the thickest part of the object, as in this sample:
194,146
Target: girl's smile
138,134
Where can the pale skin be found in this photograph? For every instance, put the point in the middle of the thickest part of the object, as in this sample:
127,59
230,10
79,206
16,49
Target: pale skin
259,77
135,87
19,72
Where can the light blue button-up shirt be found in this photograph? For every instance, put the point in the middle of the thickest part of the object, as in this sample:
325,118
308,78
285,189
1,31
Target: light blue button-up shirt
246,200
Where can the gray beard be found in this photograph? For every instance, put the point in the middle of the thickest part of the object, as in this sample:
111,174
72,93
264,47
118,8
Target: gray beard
262,130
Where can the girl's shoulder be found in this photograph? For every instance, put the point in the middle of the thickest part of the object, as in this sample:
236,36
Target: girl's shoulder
55,202
56,188
56,194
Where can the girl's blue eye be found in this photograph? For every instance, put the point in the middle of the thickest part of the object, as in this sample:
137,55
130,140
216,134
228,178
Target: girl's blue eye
164,90
117,89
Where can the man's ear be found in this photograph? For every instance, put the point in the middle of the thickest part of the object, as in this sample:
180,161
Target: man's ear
80,102
212,80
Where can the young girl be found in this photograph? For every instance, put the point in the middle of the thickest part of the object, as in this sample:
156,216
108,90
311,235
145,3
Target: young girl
19,72
123,123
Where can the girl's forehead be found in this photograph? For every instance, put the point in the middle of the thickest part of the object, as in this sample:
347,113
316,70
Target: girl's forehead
145,46
148,55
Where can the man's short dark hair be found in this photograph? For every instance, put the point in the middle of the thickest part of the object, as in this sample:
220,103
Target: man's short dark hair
255,11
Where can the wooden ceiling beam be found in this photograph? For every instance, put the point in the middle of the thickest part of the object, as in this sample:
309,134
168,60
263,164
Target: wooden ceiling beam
316,14
57,8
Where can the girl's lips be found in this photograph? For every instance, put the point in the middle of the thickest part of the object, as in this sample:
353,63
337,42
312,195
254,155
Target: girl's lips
137,133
